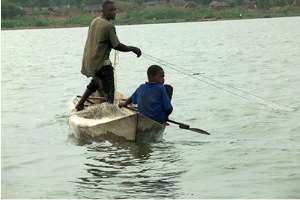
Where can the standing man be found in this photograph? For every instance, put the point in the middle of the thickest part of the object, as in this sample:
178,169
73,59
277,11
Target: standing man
101,39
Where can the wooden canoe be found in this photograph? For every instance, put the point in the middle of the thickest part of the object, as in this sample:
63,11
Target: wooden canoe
106,121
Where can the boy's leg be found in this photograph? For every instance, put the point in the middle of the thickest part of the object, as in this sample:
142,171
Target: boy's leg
169,90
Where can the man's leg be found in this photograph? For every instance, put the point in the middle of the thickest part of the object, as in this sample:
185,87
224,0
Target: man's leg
90,89
106,75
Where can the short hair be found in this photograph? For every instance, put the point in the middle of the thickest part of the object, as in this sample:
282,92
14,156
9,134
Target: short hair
106,3
153,70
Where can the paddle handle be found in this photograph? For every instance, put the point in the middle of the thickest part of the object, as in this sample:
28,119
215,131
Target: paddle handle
181,125
100,98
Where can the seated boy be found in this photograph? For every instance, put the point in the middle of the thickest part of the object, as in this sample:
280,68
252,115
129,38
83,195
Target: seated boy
153,98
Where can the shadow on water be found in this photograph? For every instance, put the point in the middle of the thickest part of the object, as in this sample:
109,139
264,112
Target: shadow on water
130,170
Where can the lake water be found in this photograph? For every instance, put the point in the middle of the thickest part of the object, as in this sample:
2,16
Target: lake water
253,150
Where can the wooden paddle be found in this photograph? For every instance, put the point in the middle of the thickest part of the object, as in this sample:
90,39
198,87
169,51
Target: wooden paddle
100,98
187,127
181,125
103,99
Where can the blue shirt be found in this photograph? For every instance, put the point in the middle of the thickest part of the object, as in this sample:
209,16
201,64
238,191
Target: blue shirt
153,101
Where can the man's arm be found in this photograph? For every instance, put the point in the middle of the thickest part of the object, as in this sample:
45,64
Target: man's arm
117,45
125,48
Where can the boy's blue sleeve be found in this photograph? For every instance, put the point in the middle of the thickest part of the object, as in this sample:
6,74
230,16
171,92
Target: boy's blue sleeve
134,96
166,100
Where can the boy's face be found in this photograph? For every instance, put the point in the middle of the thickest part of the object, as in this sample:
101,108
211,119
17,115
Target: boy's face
159,77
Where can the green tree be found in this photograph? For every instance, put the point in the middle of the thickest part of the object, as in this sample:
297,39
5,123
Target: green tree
281,2
264,3
42,3
203,2
10,10
90,2
77,3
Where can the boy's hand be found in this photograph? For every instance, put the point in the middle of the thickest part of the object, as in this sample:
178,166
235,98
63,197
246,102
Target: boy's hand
123,104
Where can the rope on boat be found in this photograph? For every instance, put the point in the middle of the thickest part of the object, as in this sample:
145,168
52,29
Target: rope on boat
217,84
115,63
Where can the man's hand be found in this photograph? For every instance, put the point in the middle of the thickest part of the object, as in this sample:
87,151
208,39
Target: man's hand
137,51
124,48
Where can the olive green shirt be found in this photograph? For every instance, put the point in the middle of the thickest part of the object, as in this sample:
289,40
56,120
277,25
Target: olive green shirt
101,39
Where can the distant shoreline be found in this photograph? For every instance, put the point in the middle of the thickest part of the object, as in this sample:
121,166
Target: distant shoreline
41,27
81,26
155,16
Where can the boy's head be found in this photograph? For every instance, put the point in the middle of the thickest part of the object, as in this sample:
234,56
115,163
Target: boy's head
156,74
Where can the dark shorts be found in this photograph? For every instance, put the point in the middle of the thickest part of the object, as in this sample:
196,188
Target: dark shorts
106,76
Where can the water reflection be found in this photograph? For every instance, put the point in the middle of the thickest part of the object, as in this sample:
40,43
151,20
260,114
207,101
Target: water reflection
130,170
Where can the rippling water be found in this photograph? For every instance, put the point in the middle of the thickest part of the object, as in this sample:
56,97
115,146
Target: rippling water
253,151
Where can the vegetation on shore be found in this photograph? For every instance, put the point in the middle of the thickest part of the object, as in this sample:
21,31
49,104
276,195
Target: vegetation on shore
138,13
174,14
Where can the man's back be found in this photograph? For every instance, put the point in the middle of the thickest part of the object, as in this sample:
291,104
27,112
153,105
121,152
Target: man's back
101,39
153,101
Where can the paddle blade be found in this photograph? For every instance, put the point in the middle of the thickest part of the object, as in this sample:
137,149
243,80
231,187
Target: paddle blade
199,131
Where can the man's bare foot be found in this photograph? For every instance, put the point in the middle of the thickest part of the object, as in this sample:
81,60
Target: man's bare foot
79,107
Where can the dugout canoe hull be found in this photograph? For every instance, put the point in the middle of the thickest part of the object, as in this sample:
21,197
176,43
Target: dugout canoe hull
108,121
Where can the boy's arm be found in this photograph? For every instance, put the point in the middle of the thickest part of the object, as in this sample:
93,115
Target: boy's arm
125,103
132,99
168,112
168,108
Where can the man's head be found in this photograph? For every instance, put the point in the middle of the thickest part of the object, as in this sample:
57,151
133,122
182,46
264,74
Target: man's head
156,74
109,10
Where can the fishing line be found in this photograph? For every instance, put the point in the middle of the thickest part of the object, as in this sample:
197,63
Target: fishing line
219,85
115,63
209,83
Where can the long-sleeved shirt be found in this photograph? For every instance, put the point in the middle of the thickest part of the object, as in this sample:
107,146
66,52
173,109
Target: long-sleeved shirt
153,101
